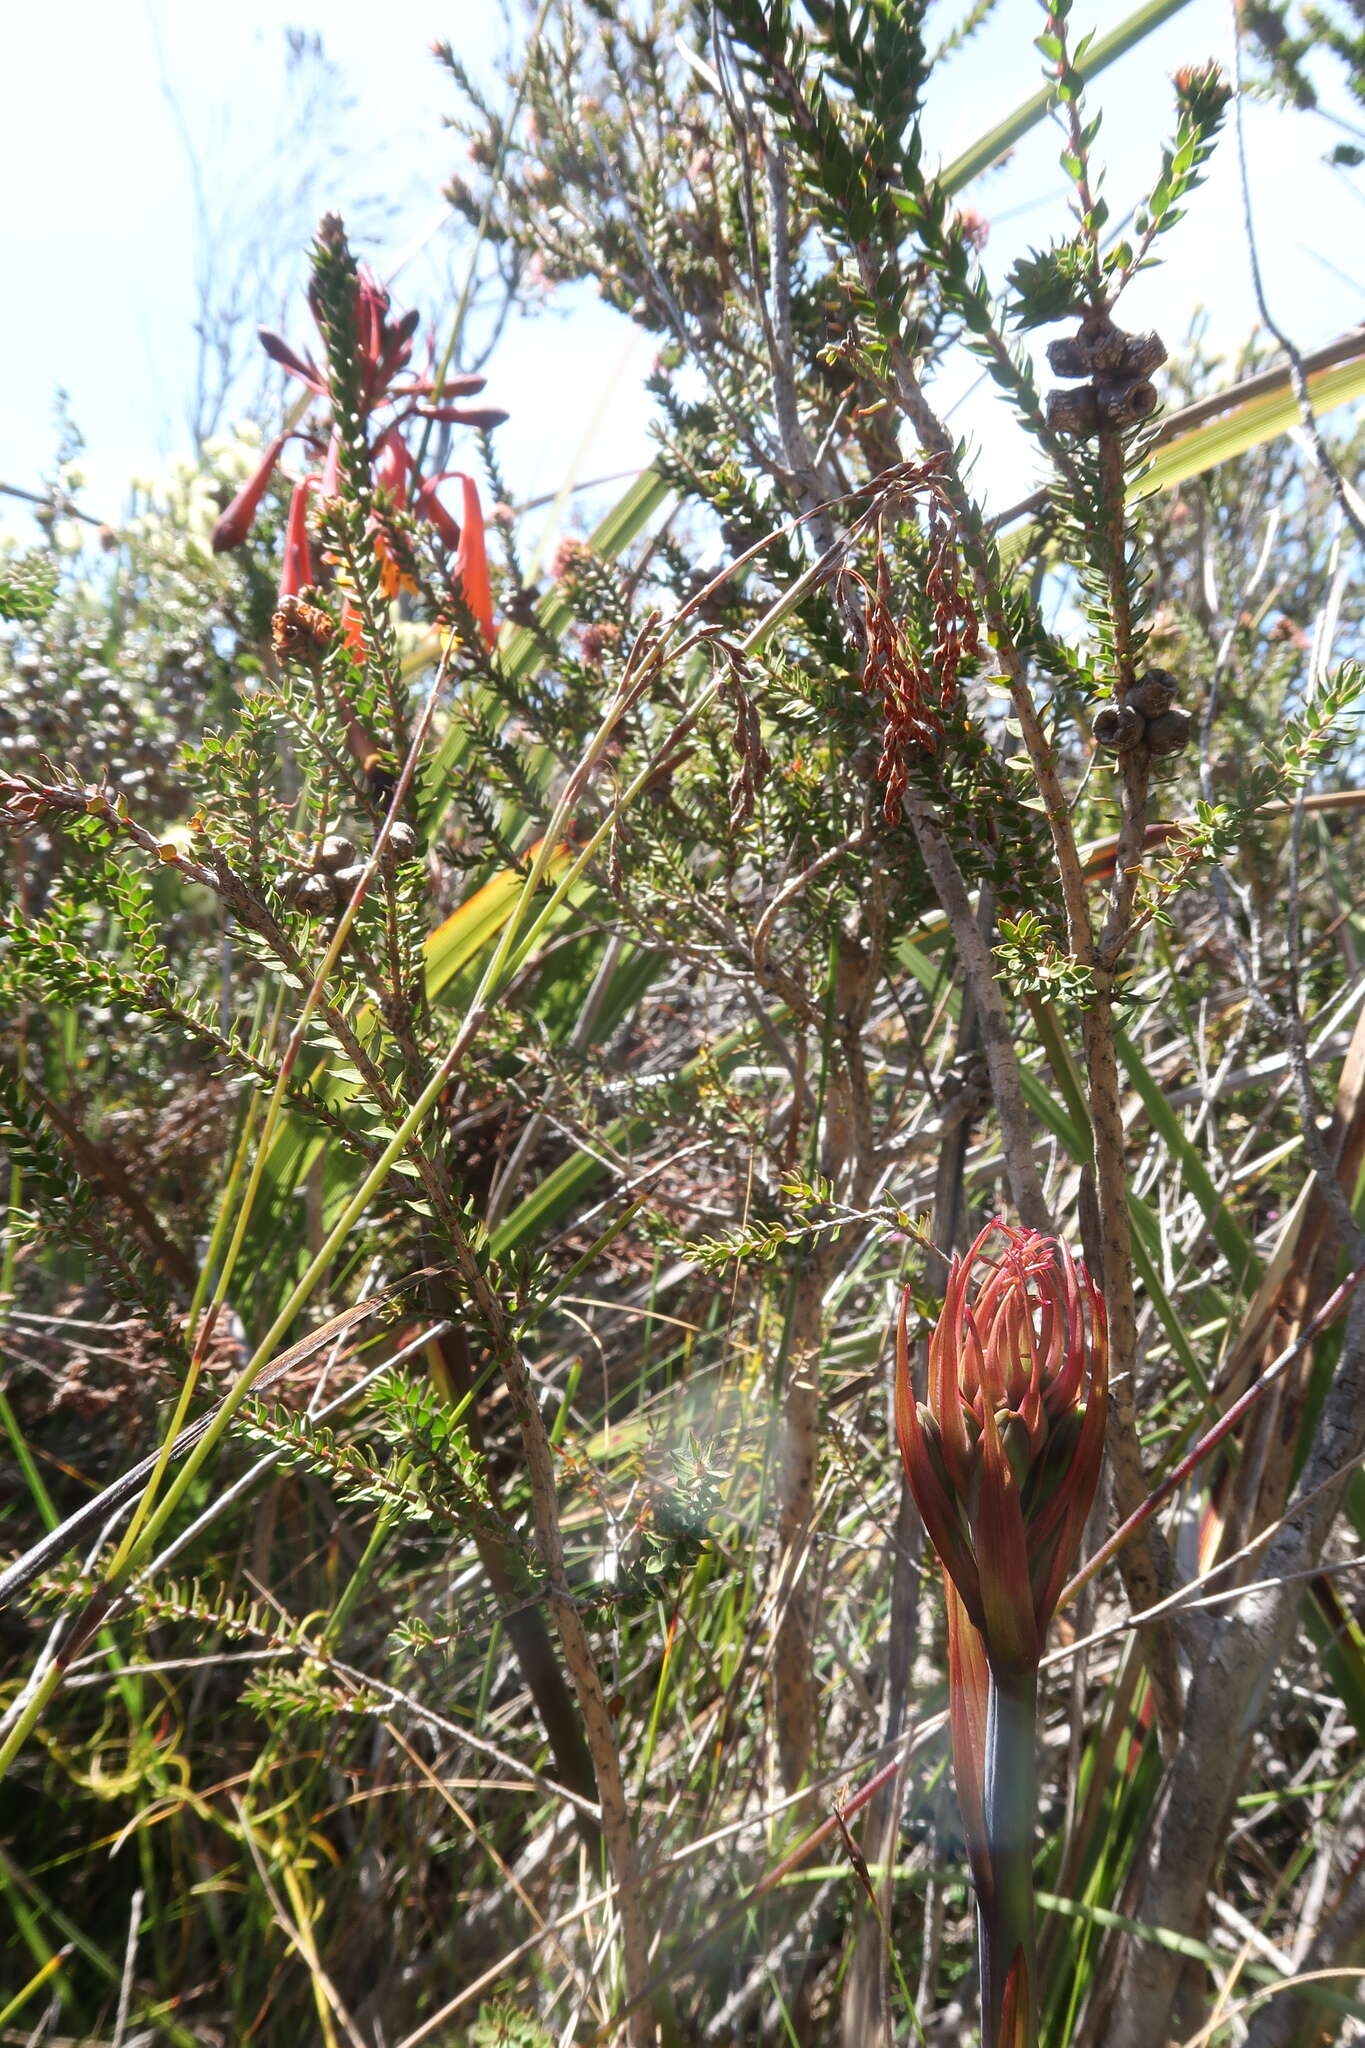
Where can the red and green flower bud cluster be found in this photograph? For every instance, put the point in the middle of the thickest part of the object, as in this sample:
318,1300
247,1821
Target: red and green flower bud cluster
391,399
1004,1456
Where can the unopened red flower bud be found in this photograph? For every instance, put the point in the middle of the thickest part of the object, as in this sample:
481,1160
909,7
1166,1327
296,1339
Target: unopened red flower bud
1004,1456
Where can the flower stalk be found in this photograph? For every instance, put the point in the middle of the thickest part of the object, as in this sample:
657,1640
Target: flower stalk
1003,1459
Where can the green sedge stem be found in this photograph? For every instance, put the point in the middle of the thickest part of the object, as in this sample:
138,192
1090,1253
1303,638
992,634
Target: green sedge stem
1005,1920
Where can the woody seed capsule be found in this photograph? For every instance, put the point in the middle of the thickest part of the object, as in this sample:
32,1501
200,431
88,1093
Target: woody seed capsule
1073,412
1142,353
1123,401
1154,694
335,852
1118,727
1169,733
343,883
314,894
400,845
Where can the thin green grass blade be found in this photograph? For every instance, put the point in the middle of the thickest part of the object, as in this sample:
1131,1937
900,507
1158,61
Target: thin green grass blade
14,2006
1065,1072
1341,1645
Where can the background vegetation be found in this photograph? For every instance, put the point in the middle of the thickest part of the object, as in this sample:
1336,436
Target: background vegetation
498,1043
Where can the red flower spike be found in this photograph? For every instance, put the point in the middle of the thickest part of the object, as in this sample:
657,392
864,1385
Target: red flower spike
471,561
388,404
235,524
1004,1464
297,573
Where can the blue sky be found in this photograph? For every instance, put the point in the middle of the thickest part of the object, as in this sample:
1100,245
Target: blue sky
99,235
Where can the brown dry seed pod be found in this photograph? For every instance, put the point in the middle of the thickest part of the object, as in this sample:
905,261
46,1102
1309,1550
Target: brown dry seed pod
335,852
1169,733
1101,344
1090,351
298,628
1118,727
400,845
314,894
1142,353
343,883
1073,412
1155,693
1066,359
1123,401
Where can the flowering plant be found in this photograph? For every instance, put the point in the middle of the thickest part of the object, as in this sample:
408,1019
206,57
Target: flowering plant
1003,1459
388,401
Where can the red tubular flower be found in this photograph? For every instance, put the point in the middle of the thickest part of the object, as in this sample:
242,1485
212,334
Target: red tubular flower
427,504
392,466
392,470
297,572
1004,1457
398,343
302,367
462,384
353,633
471,561
389,403
486,417
235,524
329,486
